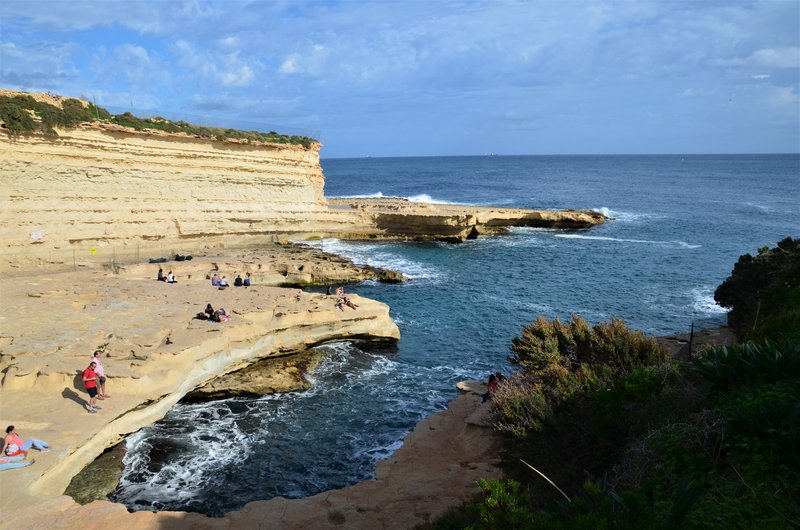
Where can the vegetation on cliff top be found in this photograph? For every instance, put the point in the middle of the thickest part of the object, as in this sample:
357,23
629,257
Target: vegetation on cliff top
763,293
638,440
22,114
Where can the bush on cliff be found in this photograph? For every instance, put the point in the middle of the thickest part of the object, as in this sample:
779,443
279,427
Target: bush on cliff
23,114
763,293
644,442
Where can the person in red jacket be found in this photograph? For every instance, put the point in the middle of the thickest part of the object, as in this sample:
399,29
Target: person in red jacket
90,382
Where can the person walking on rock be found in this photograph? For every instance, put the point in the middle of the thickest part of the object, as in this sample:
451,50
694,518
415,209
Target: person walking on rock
90,382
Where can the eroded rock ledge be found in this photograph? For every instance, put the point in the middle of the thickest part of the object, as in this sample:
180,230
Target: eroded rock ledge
397,218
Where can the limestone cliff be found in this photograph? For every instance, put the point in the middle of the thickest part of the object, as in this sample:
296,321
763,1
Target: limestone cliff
98,188
102,193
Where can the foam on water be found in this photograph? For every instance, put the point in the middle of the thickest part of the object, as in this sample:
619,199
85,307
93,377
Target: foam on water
703,301
676,244
625,216
381,255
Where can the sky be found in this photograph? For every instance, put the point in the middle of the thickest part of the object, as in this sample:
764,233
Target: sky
436,77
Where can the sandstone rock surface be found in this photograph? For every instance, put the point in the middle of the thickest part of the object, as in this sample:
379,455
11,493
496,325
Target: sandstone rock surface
155,353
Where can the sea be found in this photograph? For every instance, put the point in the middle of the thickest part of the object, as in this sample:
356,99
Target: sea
678,224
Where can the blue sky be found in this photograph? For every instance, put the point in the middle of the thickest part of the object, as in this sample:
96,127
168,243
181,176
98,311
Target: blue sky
447,77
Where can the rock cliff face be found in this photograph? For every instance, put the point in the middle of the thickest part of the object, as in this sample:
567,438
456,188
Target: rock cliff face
101,193
88,190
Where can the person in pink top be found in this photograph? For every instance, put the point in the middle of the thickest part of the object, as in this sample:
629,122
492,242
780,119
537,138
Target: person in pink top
14,446
101,375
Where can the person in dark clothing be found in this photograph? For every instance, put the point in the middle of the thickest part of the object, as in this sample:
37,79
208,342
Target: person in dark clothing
238,281
491,387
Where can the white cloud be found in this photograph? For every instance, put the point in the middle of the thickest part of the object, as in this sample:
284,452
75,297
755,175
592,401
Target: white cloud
786,57
760,77
778,58
223,67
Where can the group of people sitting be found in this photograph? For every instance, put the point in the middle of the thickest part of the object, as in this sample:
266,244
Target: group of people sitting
15,452
342,299
222,282
219,315
169,278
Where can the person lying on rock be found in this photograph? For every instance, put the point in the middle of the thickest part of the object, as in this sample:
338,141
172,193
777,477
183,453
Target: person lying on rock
349,303
14,446
13,462
220,315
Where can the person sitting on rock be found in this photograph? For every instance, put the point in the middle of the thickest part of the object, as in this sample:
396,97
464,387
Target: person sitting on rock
247,280
238,282
171,278
14,446
490,388
215,280
223,282
210,312
160,276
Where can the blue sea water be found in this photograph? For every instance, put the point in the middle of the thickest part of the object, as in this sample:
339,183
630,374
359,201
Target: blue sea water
680,223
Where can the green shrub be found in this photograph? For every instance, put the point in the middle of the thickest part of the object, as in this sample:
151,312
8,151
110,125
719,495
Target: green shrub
22,113
519,407
570,344
762,289
747,363
17,120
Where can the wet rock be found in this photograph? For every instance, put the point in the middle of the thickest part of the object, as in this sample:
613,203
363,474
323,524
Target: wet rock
268,376
100,478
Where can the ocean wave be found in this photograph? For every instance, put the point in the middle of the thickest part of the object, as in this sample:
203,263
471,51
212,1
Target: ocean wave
674,243
758,207
376,195
421,197
160,469
378,255
627,217
703,301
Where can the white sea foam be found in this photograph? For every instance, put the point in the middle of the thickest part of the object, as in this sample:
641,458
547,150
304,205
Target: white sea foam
423,197
379,255
627,217
375,195
674,243
759,207
213,442
703,301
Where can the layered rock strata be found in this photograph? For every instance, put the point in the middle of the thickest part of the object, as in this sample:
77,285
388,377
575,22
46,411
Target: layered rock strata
100,194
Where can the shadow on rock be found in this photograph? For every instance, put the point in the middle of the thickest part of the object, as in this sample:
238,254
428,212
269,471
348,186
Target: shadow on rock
68,393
